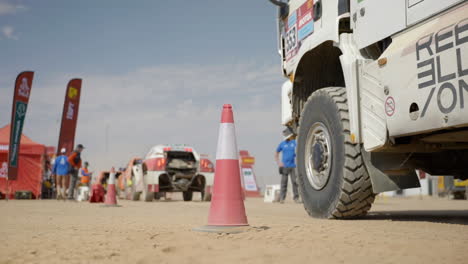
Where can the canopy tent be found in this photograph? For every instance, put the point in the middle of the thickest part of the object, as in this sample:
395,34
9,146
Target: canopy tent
30,166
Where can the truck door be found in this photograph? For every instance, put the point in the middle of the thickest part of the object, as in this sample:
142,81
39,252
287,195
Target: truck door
374,20
418,10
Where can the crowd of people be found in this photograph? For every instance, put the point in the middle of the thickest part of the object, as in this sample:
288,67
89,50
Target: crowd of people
69,172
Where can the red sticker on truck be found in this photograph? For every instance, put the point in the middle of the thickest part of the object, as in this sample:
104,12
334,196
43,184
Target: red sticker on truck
390,106
299,25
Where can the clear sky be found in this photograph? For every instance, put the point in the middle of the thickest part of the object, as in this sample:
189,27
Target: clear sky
153,72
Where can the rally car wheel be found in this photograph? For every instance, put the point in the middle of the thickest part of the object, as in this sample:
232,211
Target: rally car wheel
188,195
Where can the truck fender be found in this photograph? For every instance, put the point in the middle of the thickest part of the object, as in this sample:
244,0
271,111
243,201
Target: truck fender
348,61
286,103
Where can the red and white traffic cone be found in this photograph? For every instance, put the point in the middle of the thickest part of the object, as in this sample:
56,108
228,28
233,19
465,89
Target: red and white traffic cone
227,211
111,196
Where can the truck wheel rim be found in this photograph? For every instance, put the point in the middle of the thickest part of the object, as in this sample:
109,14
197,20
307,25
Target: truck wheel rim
318,156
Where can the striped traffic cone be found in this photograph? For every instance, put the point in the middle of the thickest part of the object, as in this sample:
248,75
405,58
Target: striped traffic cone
111,200
227,211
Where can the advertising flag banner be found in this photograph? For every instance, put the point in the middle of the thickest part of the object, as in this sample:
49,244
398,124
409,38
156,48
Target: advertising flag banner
69,116
249,181
21,95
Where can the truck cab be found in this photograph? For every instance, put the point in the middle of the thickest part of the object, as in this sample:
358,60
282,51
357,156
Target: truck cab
375,89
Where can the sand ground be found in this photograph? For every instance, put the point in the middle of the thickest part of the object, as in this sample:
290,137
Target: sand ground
396,231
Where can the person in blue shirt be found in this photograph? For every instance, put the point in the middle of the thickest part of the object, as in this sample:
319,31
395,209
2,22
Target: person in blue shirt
61,170
287,165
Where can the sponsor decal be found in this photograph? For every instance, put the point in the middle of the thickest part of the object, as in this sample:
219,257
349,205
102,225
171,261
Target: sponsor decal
17,131
292,19
390,106
21,109
291,41
300,25
70,111
18,115
249,180
306,23
248,160
72,92
4,170
24,88
70,116
433,53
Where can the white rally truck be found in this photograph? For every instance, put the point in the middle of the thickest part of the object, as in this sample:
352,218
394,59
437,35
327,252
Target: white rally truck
176,168
376,89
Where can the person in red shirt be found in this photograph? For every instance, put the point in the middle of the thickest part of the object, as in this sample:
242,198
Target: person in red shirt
75,164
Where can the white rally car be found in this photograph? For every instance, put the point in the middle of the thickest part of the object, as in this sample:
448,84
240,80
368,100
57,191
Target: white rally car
176,168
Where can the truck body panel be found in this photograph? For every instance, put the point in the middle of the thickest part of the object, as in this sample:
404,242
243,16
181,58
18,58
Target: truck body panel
418,10
373,20
323,29
427,76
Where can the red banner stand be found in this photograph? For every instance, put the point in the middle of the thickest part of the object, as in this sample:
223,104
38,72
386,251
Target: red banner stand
249,181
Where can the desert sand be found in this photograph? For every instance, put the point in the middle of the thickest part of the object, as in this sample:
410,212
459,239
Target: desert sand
396,231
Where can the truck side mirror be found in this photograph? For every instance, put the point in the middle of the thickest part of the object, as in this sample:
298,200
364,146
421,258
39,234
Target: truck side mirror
317,10
283,11
283,8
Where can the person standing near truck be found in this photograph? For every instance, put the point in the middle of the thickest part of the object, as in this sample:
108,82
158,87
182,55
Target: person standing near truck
75,161
287,166
60,170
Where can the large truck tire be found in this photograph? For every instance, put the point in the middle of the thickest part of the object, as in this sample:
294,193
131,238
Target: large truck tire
149,196
333,180
188,195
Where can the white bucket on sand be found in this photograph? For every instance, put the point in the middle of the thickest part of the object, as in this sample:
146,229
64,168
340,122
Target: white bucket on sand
83,193
272,193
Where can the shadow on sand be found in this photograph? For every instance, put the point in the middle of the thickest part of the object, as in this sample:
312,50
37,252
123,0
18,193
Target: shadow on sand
459,217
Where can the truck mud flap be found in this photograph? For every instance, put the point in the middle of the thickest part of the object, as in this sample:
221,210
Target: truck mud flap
400,177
